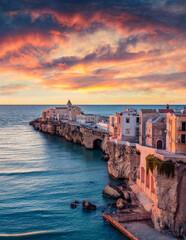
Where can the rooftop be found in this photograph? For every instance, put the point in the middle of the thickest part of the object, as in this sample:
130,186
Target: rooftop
148,110
165,110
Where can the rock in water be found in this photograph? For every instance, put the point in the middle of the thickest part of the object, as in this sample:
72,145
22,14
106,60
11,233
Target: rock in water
88,205
122,204
105,157
111,204
111,192
73,205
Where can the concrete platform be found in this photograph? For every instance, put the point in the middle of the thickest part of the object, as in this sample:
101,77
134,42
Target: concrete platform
143,231
138,230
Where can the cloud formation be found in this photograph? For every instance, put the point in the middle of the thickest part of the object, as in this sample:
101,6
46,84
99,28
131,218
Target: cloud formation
93,46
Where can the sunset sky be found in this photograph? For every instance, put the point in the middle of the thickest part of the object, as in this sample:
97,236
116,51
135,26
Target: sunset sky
93,52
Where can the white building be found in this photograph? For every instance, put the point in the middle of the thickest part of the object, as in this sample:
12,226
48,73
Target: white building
129,124
125,125
87,118
102,125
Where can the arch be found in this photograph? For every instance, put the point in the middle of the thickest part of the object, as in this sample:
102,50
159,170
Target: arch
159,144
142,174
97,143
152,184
147,180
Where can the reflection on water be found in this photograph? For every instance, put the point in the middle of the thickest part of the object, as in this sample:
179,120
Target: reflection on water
40,175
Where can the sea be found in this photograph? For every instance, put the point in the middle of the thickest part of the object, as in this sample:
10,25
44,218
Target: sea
40,175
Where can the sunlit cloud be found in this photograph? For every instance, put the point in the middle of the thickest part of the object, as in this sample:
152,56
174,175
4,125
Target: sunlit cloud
93,48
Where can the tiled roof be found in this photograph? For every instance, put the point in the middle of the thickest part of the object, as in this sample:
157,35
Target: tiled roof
148,110
166,110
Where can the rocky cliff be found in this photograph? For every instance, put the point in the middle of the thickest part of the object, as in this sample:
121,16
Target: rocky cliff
169,210
123,160
88,137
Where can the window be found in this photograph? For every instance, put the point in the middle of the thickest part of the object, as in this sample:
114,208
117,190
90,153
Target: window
183,138
183,126
137,120
127,120
127,131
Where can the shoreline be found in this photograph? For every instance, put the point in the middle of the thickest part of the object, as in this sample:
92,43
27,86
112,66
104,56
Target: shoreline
90,138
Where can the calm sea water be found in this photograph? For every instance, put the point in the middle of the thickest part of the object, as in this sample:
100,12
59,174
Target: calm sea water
40,175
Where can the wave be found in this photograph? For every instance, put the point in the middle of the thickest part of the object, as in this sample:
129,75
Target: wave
27,234
31,235
65,171
25,172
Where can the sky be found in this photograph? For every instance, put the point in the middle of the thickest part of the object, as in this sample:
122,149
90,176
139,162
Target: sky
93,51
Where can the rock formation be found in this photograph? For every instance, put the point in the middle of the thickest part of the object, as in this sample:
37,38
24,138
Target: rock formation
122,204
75,133
88,205
111,192
169,210
123,160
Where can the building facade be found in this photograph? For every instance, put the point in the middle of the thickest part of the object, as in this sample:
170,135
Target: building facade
68,113
176,133
124,126
145,115
87,118
156,132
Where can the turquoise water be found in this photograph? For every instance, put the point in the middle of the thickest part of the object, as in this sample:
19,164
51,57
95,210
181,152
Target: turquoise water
40,175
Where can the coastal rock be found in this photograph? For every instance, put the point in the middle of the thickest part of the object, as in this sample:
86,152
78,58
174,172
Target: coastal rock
122,204
72,132
111,192
169,210
127,195
105,157
111,204
88,205
73,205
123,160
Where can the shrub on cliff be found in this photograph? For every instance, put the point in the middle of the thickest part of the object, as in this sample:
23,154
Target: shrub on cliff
163,167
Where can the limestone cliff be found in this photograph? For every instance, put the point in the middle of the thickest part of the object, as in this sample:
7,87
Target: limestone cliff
123,160
90,138
169,210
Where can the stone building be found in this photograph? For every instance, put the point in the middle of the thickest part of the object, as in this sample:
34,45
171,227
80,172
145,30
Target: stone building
156,132
87,118
176,133
145,115
167,194
69,112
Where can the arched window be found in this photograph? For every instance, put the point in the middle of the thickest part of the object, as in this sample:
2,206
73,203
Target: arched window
142,175
147,180
152,184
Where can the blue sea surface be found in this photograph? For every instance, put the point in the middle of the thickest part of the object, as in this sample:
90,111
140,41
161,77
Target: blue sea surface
40,175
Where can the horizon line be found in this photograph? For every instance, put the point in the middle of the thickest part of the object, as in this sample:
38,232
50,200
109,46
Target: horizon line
93,104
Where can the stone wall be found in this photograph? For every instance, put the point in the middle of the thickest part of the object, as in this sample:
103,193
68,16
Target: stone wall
123,160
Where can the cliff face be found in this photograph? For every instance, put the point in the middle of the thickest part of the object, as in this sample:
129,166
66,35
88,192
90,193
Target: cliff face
169,210
78,134
123,160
